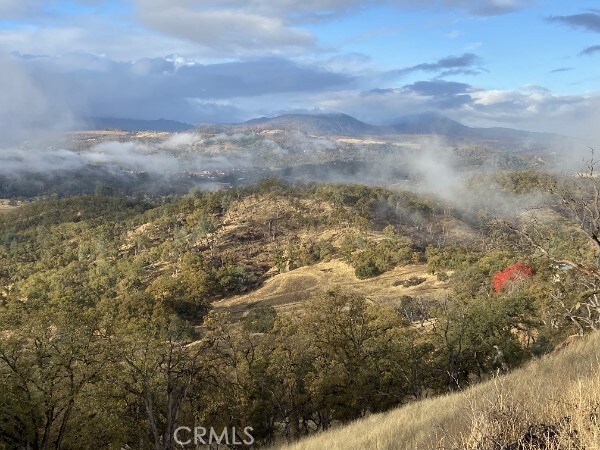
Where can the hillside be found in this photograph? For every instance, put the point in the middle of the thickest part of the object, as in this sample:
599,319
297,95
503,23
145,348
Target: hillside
428,123
310,305
289,291
435,123
413,125
552,403
6,206
101,123
316,124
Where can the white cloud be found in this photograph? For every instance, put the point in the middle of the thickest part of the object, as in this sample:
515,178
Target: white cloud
477,7
530,107
488,7
292,9
26,106
10,8
233,28
152,88
241,27
96,37
230,32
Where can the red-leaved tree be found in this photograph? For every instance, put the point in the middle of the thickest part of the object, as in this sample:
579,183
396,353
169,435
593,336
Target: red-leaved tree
511,274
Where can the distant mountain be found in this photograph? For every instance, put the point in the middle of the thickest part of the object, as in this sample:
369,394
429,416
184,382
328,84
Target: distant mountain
435,123
429,123
102,123
337,124
318,124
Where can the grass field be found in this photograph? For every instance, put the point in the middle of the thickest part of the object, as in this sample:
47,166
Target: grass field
289,290
553,403
5,207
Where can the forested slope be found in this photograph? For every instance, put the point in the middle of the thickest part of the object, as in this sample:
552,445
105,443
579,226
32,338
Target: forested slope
124,318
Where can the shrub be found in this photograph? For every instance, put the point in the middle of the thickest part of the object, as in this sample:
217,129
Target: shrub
542,346
412,281
451,257
415,309
515,273
383,255
367,269
233,279
260,320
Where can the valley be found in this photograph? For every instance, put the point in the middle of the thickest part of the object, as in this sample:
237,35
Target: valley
318,274
321,148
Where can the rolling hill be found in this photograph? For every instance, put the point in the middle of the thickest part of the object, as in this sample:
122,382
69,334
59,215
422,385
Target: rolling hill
317,124
101,123
338,124
429,123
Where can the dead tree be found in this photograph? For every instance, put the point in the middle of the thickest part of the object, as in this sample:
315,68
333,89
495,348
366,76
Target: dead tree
578,199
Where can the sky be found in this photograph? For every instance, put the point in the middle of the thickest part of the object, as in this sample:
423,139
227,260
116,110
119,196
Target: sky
527,64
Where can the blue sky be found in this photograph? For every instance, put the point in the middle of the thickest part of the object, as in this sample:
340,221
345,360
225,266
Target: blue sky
520,63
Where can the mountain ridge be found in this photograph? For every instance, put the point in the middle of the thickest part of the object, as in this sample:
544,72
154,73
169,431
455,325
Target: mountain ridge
125,124
325,124
339,124
428,123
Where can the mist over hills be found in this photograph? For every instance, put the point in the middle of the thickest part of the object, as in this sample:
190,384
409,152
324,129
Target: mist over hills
429,123
162,156
339,124
435,123
101,123
343,124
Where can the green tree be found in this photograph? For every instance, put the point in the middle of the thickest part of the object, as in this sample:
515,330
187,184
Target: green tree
154,367
50,356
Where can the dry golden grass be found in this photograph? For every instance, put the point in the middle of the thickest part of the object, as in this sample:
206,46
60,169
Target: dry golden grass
5,206
556,399
290,290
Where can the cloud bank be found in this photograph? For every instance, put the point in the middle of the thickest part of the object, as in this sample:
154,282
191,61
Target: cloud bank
591,50
589,21
227,61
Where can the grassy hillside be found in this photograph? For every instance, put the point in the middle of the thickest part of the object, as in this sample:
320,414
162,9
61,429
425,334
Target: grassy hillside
289,290
237,239
553,403
5,206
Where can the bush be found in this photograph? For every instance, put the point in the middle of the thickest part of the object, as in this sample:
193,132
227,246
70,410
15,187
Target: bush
368,269
383,255
300,254
515,273
542,346
412,281
260,320
415,309
234,279
451,257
